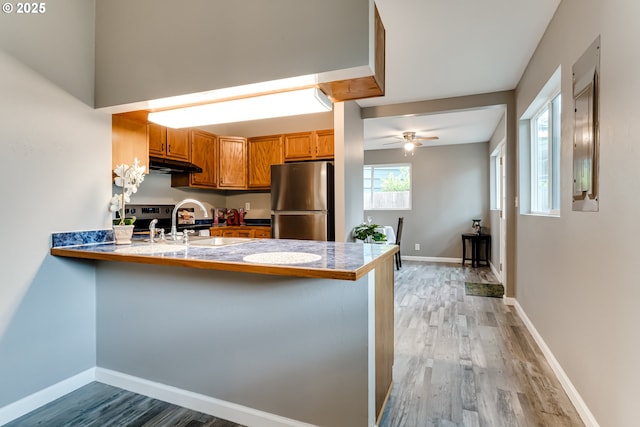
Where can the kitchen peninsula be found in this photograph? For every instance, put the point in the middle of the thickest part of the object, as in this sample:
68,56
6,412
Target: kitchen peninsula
263,331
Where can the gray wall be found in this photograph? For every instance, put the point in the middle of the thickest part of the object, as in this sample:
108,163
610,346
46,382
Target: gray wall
164,49
56,157
288,346
450,187
349,142
58,44
506,99
576,276
497,138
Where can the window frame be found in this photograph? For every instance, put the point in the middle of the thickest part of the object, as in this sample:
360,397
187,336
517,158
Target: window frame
552,106
371,178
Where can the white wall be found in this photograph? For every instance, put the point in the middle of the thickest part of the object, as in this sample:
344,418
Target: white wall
449,188
56,157
576,276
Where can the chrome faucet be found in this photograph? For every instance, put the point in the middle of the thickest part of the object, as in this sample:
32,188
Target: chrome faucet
152,229
174,228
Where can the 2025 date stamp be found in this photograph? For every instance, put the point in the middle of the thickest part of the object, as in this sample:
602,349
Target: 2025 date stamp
25,8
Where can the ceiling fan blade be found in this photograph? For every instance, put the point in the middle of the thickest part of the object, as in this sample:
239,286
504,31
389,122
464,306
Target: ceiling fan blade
427,138
391,143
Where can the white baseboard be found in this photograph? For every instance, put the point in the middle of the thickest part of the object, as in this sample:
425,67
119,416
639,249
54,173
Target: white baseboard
34,401
508,300
432,259
582,408
194,401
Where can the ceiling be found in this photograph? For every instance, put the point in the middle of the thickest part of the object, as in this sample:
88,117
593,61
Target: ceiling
439,49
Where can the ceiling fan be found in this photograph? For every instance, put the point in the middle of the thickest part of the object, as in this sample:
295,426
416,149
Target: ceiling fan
411,141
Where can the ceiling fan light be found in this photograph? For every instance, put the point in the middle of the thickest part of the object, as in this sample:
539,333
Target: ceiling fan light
409,146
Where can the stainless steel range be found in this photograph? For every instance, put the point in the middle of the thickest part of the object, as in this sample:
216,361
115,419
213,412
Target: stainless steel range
146,213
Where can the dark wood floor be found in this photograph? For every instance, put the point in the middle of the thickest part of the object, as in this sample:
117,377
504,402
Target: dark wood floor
101,405
460,361
466,361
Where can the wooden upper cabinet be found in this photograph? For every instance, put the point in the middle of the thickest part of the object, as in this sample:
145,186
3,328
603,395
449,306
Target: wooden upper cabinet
204,153
324,144
129,140
168,143
178,144
298,146
232,164
157,136
263,152
309,145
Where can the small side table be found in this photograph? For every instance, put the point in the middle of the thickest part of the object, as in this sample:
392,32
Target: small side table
478,242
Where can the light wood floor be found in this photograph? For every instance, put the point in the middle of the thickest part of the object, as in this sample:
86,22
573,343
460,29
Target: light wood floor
460,361
466,361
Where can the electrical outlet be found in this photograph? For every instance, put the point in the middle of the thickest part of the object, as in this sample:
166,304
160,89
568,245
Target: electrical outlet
247,206
417,246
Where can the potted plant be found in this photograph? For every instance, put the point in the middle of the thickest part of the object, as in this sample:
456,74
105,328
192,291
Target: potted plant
129,179
367,233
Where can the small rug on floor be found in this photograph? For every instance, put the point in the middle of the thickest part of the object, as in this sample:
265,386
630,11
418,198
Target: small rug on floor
495,290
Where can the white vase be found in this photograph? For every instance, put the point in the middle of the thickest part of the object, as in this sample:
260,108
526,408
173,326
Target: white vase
122,234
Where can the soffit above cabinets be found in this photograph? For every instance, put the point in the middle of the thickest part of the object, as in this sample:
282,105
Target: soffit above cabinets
160,51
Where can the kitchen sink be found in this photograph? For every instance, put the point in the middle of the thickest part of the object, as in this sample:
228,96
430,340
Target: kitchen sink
218,241
150,249
176,246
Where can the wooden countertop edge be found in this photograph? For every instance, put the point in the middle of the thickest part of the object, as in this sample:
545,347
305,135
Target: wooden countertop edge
292,271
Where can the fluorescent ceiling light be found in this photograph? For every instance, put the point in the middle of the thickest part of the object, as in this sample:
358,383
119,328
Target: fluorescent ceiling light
281,104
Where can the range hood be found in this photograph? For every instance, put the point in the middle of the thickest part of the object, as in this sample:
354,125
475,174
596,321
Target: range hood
162,165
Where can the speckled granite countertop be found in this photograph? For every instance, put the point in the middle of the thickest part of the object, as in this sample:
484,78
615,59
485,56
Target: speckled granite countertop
299,258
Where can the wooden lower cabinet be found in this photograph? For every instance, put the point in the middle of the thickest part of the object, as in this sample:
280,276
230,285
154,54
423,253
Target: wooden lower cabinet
258,232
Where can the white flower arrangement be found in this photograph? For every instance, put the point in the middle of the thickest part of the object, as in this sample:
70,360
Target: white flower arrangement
129,178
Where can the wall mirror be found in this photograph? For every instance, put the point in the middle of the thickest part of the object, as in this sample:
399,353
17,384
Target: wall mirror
586,143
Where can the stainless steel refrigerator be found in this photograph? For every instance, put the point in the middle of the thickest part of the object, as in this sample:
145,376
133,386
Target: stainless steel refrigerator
302,201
